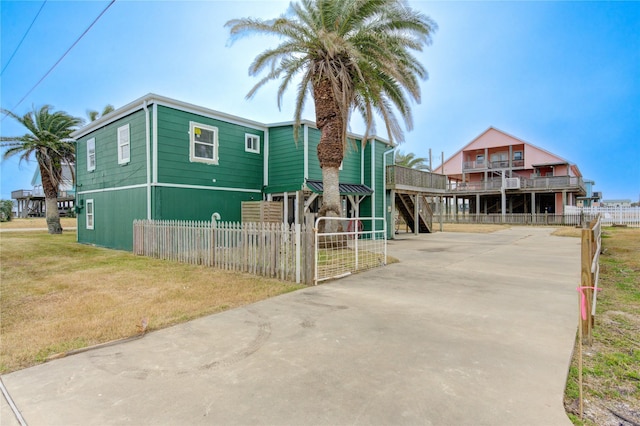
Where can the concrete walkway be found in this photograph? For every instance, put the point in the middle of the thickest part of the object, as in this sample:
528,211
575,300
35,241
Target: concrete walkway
469,329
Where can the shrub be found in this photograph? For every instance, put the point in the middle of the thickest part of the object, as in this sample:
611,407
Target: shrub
6,207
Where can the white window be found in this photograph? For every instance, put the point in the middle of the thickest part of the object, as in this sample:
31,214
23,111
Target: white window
204,143
252,143
91,154
517,155
89,214
124,146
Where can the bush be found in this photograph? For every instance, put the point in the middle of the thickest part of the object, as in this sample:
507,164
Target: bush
6,207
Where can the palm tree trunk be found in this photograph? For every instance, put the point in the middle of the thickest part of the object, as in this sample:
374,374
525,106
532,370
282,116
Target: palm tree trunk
330,151
51,202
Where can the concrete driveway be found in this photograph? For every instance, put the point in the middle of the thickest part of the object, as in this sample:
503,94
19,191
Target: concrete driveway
468,329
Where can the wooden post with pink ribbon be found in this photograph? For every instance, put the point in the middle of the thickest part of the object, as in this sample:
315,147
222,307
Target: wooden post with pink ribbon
588,290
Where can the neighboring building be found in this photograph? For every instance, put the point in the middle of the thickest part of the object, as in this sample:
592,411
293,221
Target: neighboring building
591,199
159,158
499,173
616,203
30,202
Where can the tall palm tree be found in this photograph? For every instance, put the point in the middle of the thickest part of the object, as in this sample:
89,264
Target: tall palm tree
350,55
49,140
411,161
93,115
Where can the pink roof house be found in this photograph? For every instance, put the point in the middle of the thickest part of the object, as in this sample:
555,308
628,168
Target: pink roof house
499,173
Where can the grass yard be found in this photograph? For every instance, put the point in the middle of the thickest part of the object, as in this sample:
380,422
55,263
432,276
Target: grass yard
58,295
36,223
611,366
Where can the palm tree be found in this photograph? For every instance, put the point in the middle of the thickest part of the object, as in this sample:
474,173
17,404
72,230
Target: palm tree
49,140
350,55
411,161
93,115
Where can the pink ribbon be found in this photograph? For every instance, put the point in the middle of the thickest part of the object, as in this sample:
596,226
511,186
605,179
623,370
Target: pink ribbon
583,301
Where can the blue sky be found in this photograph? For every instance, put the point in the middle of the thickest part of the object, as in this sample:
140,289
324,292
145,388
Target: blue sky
564,76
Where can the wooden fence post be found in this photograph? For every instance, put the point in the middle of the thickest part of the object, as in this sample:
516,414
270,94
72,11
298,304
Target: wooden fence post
586,281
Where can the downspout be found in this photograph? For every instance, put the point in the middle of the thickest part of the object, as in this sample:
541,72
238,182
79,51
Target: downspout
384,180
373,180
306,152
148,142
265,152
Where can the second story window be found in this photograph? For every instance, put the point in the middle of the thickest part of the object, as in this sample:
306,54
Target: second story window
480,159
203,143
91,154
124,146
252,143
517,155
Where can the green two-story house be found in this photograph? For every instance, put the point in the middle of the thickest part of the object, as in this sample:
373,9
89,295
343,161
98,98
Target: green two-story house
159,158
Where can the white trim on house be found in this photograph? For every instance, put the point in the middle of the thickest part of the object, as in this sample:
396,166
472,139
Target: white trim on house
306,151
122,142
147,139
265,159
154,141
116,188
210,188
91,154
254,146
90,216
196,129
171,185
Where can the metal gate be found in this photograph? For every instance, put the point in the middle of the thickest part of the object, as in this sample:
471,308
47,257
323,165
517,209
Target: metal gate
360,245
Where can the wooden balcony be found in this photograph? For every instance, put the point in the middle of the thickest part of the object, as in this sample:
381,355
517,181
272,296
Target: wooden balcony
549,183
405,179
480,165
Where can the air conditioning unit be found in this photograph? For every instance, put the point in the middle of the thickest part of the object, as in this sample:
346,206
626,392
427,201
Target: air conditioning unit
512,183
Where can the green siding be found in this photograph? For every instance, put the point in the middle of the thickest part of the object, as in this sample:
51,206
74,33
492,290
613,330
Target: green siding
350,172
236,168
286,160
108,173
199,204
114,213
315,172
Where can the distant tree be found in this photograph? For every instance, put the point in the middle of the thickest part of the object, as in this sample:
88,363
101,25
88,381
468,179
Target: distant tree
93,115
49,140
6,208
350,55
411,161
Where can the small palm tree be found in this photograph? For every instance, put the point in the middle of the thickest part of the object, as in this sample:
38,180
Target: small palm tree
350,55
49,140
93,115
411,161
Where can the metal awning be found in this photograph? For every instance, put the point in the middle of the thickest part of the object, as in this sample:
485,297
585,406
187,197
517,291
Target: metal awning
345,188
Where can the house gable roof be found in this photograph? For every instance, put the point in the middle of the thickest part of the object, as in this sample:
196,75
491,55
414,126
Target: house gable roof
484,140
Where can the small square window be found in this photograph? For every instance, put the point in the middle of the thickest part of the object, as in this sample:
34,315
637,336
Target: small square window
517,155
89,214
252,143
203,143
124,145
91,154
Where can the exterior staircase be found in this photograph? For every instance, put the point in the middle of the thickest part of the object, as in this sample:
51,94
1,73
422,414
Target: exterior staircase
405,204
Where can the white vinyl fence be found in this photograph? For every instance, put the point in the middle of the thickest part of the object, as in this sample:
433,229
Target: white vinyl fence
267,249
609,216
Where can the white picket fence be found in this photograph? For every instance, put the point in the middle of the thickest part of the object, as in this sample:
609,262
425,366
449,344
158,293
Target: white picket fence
609,216
268,249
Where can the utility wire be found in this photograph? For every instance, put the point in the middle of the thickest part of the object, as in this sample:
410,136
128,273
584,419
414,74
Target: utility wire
61,58
23,37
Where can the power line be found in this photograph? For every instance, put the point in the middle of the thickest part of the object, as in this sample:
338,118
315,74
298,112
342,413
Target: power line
23,37
62,57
